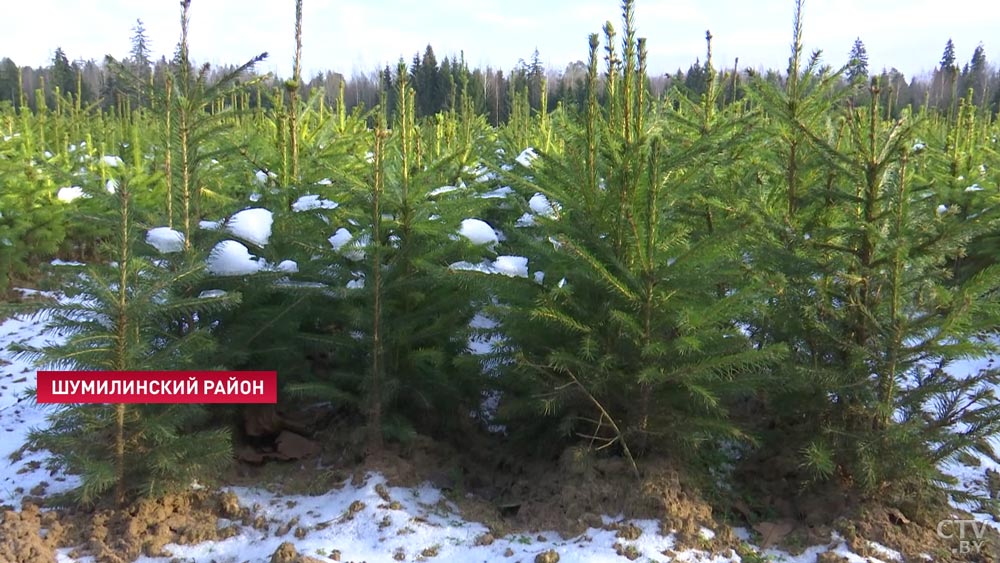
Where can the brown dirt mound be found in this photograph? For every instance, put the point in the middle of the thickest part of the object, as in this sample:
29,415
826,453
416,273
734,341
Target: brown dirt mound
567,495
22,539
506,492
119,535
792,517
914,538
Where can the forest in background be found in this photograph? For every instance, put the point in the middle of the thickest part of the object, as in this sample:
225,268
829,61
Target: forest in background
439,84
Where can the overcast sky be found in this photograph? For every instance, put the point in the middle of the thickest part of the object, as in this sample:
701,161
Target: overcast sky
358,36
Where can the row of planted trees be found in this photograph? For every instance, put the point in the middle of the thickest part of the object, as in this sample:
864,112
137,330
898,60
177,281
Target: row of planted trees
794,256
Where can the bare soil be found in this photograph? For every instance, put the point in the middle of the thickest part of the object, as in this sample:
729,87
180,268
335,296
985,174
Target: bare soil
32,535
509,494
794,518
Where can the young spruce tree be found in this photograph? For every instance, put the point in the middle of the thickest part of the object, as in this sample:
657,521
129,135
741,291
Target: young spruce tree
630,339
860,262
403,316
126,316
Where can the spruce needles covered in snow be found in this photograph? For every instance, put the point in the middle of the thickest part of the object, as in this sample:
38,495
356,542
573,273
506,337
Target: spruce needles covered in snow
165,239
478,232
231,258
253,225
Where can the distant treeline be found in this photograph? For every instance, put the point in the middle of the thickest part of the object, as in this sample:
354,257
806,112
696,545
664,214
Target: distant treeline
440,85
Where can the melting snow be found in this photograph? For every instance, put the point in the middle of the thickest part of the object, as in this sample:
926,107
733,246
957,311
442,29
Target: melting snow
443,190
478,232
484,267
511,266
231,258
541,206
211,293
309,202
19,414
165,239
342,237
253,225
70,193
499,193
526,156
289,266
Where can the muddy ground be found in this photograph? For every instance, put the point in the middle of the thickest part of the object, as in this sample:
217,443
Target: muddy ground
508,494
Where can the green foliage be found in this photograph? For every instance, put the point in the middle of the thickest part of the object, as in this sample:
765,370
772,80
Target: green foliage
798,260
639,344
290,320
403,316
128,316
32,221
860,262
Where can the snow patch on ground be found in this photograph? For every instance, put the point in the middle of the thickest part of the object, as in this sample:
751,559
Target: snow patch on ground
416,523
482,342
19,414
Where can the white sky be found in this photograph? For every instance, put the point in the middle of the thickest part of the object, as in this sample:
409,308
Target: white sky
352,35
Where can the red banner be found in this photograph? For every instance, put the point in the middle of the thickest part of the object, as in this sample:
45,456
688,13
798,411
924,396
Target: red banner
157,387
